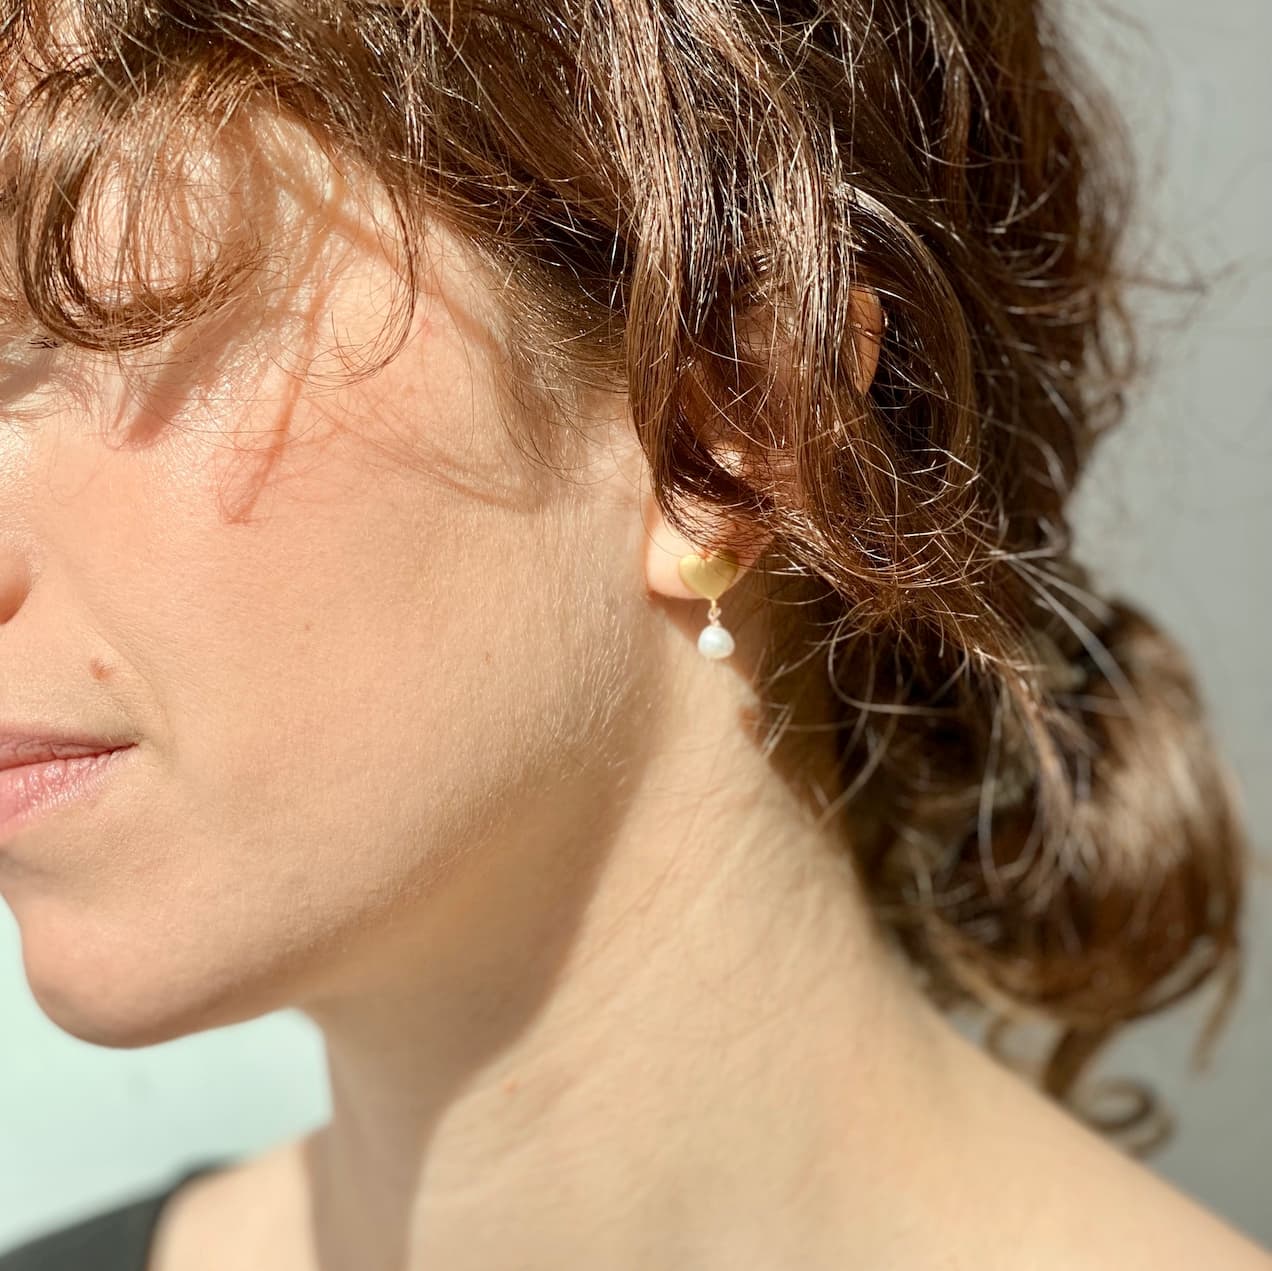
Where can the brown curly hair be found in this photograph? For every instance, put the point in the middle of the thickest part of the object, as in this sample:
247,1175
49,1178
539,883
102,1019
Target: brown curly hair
679,197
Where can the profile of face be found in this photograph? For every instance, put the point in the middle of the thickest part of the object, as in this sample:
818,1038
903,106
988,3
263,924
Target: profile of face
387,677
345,673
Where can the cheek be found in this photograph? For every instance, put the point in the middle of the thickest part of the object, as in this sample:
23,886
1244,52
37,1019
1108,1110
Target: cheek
334,691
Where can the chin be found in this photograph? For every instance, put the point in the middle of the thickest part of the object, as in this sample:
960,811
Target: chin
124,1000
98,1015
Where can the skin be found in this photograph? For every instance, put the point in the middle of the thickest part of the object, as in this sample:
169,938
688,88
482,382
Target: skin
426,751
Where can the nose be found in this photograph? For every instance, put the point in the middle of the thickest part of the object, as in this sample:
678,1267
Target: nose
15,582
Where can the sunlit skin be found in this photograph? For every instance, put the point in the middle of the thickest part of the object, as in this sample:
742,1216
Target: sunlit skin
426,750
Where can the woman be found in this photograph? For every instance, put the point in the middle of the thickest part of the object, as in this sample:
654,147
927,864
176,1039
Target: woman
400,401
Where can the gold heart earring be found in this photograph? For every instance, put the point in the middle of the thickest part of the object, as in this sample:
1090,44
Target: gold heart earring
710,576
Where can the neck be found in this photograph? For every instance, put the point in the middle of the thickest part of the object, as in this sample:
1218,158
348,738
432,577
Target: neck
669,1036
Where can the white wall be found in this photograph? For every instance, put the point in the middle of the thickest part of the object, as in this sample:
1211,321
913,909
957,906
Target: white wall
1177,513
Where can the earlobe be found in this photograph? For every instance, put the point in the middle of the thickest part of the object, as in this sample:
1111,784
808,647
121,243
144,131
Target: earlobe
678,568
664,547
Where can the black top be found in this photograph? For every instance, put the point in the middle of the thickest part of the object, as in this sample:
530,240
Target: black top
115,1240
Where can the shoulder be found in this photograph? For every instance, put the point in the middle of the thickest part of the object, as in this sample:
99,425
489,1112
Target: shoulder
1087,1203
1175,1231
251,1213
1050,1193
1160,1227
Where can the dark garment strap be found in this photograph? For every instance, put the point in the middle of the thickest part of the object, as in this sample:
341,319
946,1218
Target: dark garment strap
116,1240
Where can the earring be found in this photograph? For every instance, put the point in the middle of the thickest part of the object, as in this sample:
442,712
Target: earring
710,576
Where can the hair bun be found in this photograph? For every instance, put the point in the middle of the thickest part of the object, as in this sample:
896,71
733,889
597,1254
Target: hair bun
1118,912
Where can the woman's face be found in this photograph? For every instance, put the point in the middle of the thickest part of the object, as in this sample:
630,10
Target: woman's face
345,672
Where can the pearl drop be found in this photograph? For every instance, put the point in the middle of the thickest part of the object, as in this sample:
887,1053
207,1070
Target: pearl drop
715,642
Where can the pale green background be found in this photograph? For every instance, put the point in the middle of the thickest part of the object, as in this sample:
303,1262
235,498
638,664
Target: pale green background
1176,515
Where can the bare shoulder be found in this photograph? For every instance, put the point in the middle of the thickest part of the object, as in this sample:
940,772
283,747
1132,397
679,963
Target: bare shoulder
1164,1225
1144,1221
1081,1202
237,1217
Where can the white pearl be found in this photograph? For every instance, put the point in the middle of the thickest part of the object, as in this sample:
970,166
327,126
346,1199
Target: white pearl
715,642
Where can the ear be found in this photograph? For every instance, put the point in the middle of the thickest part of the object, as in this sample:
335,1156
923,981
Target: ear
868,322
664,546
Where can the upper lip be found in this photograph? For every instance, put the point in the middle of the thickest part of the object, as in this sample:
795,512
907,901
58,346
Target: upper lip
23,745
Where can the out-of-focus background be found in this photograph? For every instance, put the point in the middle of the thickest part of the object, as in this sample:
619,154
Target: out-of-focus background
1177,511
1176,515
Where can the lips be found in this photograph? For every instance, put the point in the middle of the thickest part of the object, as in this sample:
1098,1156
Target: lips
19,748
34,788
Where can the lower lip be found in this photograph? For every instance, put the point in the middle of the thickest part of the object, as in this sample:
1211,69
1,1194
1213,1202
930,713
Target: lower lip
32,789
